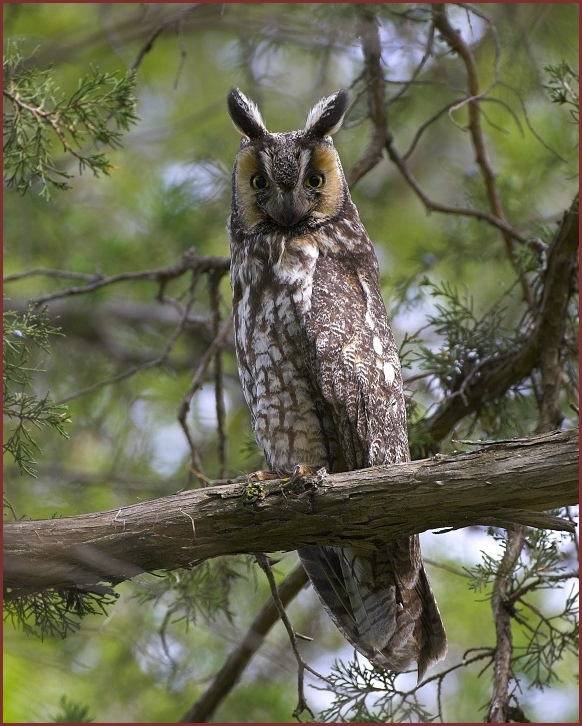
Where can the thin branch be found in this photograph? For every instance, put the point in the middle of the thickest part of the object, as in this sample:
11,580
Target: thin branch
227,677
212,350
175,19
214,285
433,206
155,362
543,581
189,262
529,123
50,272
302,666
456,42
502,672
424,126
426,55
374,79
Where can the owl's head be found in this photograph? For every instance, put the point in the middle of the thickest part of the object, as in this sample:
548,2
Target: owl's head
287,182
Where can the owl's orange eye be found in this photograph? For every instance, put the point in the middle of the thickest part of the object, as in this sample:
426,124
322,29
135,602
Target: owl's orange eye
258,181
315,181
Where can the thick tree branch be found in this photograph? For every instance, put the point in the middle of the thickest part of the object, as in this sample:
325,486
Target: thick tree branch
506,482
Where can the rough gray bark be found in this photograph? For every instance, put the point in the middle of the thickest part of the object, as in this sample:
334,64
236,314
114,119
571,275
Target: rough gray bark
504,482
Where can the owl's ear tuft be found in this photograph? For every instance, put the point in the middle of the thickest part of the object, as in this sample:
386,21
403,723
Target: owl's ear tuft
327,116
245,115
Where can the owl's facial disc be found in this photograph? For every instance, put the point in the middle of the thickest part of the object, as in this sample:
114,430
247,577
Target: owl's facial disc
288,183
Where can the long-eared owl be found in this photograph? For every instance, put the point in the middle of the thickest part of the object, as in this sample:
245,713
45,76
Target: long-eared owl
319,366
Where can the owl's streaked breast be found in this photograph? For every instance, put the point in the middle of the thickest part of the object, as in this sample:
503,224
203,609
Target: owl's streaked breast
271,302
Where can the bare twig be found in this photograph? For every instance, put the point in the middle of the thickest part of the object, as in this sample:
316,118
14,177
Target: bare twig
227,677
426,55
374,79
49,272
214,283
541,582
302,666
175,18
456,42
195,384
529,123
424,126
482,654
157,361
189,262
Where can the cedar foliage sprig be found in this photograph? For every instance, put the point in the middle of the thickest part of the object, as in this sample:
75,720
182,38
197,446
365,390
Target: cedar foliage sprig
39,118
23,409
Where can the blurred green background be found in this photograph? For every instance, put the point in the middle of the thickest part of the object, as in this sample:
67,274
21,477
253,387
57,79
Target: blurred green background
168,192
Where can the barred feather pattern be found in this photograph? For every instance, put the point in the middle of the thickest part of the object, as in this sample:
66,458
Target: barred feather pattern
319,367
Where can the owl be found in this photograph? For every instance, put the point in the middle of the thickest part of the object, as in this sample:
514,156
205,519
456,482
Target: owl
319,367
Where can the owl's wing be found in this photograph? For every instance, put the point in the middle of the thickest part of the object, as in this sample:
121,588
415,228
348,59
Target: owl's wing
368,616
381,600
355,361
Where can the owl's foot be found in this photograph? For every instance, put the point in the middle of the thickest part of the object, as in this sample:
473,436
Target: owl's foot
255,490
256,476
300,471
305,471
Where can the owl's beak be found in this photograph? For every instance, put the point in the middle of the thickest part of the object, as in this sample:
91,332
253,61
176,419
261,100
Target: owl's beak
287,210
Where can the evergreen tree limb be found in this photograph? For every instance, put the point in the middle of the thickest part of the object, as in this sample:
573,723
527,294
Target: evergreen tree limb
504,483
492,377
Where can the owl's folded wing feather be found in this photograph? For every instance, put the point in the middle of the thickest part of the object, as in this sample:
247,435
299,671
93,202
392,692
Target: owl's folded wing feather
355,361
369,617
380,600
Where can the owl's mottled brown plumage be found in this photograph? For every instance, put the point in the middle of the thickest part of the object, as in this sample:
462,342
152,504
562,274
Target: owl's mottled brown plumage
319,367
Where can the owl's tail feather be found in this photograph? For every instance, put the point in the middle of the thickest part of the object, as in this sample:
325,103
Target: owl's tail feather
381,602
430,632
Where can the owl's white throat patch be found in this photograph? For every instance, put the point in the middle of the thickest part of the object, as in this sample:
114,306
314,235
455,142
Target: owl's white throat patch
297,259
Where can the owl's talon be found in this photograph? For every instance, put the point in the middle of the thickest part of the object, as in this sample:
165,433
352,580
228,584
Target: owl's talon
294,482
300,471
256,476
